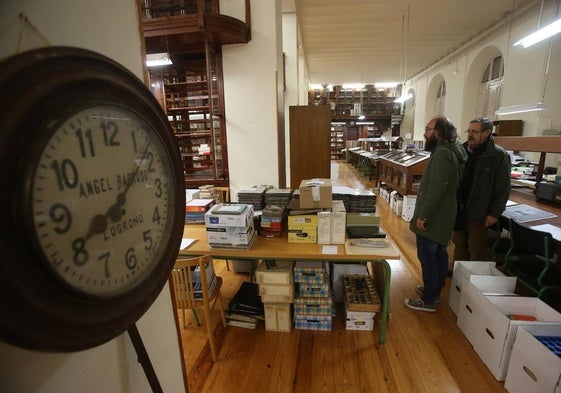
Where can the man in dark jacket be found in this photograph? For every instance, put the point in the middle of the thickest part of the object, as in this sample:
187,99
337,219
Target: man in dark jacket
484,192
435,209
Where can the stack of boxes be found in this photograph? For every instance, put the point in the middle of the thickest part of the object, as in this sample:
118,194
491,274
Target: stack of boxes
361,302
302,228
276,288
196,208
230,225
313,307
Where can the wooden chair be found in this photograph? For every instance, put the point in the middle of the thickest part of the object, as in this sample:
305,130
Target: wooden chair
531,258
223,194
188,298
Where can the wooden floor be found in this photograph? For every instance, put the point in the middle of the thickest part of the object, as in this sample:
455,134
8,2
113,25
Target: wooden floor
424,352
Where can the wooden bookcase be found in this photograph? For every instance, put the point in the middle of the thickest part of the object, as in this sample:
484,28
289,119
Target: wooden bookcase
402,171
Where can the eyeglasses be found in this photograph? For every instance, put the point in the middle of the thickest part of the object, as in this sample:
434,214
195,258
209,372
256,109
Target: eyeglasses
429,129
474,131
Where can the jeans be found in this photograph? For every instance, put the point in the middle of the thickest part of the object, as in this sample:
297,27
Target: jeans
434,264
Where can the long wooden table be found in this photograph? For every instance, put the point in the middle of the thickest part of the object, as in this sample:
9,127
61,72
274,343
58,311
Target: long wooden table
280,249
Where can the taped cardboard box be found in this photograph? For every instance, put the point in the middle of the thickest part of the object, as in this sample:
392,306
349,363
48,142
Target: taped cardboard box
315,193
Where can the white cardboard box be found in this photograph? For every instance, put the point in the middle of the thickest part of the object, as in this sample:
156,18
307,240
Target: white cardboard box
338,222
484,275
533,367
324,227
486,321
359,320
408,207
243,219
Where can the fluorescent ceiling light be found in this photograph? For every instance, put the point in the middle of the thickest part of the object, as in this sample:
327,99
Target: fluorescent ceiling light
540,35
508,110
403,98
353,86
384,85
157,59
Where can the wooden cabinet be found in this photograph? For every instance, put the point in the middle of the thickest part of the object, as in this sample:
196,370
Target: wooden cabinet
402,171
337,141
191,97
310,140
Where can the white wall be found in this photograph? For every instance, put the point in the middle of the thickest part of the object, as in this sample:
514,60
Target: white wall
291,94
522,81
111,28
252,76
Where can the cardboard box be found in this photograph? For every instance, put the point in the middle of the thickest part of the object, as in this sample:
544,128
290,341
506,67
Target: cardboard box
230,235
302,234
244,219
338,222
315,193
313,306
278,317
314,290
311,272
490,323
277,290
408,207
324,227
313,322
359,320
541,366
304,219
484,275
274,272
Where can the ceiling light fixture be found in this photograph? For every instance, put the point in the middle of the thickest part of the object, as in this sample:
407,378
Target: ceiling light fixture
509,110
540,105
540,35
404,44
158,59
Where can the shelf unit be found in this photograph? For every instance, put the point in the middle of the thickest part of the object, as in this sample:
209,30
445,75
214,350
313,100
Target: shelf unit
402,171
191,98
337,141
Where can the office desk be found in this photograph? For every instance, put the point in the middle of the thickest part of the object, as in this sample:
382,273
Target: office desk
279,248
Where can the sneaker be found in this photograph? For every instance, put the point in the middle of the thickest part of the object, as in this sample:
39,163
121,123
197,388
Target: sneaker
421,290
418,304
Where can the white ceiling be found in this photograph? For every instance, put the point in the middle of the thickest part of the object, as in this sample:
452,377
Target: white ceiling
361,40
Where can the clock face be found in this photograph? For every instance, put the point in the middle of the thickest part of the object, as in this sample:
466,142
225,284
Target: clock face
100,200
92,199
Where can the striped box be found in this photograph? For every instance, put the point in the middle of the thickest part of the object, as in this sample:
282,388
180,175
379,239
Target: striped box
313,306
313,322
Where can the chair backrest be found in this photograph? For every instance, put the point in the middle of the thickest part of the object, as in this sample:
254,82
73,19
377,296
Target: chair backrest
183,283
224,193
531,241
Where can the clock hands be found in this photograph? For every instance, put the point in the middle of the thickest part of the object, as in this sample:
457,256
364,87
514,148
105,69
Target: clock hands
98,224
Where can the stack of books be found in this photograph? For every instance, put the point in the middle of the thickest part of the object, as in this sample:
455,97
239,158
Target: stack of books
245,309
195,210
273,220
207,192
253,196
197,282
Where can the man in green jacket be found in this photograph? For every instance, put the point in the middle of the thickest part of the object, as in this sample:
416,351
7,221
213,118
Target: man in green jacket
435,209
484,191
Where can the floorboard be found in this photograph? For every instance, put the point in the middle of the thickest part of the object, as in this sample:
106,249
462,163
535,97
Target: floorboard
424,352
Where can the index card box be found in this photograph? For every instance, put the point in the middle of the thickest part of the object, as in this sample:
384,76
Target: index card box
274,272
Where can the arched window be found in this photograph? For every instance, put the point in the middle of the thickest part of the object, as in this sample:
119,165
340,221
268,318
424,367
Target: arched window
489,96
440,99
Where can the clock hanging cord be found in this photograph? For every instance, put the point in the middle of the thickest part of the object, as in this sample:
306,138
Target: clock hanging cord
25,22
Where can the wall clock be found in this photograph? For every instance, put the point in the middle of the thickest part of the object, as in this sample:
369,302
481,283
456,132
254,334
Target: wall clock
92,202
